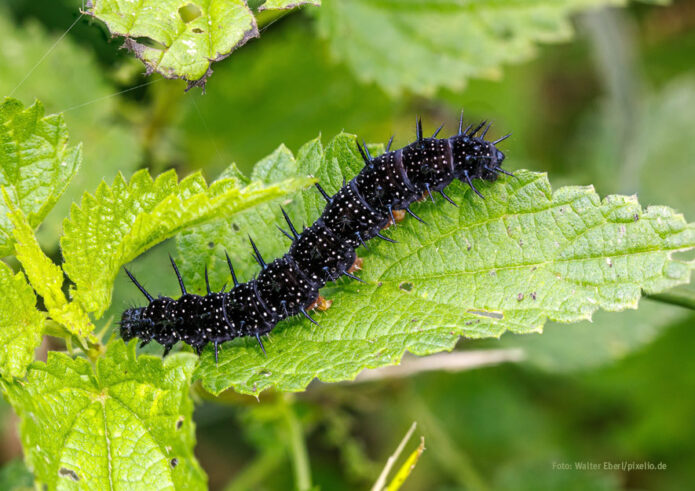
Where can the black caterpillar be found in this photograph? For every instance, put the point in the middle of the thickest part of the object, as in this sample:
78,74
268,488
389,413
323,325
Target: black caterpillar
323,252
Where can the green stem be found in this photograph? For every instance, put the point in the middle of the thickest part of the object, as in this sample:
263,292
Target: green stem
682,298
297,447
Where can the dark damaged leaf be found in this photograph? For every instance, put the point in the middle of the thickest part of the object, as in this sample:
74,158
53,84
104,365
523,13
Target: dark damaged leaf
178,39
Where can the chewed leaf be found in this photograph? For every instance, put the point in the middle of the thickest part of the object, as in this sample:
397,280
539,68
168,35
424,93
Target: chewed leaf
125,423
522,256
36,163
21,324
179,39
119,222
441,44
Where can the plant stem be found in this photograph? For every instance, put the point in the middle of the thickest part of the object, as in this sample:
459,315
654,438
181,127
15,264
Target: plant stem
297,447
682,298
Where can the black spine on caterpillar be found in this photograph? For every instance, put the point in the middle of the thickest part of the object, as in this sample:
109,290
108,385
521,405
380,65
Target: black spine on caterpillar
323,252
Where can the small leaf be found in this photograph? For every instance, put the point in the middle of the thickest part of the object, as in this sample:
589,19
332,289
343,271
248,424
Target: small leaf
423,46
120,222
124,424
407,467
21,324
47,278
36,163
520,257
179,39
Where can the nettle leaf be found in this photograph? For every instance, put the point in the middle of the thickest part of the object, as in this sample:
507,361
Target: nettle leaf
663,145
125,423
21,324
120,222
36,163
181,39
47,279
441,44
522,256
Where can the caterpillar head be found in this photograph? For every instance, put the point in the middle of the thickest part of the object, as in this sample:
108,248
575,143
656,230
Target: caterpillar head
476,158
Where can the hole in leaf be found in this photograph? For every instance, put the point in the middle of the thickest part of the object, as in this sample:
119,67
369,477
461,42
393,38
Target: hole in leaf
64,472
189,12
406,286
485,313
150,43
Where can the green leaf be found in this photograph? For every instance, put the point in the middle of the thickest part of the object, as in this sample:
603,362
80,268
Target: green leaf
520,257
124,424
120,222
36,163
182,39
662,142
422,46
46,278
286,4
179,39
21,324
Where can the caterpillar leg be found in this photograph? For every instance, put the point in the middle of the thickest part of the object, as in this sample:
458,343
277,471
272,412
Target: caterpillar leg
397,216
321,304
357,265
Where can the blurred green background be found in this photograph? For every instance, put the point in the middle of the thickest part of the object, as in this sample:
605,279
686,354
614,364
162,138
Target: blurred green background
614,108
